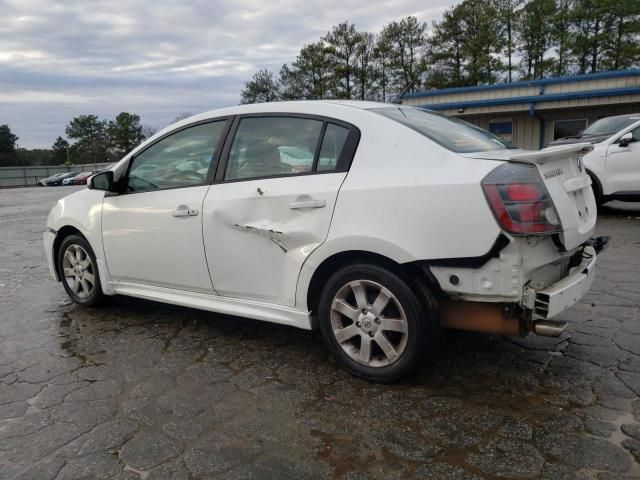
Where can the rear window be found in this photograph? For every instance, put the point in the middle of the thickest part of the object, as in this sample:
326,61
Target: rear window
453,134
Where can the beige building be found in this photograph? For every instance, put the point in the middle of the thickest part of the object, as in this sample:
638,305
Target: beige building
533,113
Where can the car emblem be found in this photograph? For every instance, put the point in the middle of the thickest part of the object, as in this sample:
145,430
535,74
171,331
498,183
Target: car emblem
553,173
580,164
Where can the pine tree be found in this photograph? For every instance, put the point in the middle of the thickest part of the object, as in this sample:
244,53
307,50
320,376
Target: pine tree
60,151
261,88
408,42
342,45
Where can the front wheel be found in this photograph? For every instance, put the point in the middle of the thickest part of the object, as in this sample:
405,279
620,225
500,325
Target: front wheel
374,323
78,271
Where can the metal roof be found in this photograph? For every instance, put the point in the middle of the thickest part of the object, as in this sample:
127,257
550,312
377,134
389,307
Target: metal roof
527,83
532,99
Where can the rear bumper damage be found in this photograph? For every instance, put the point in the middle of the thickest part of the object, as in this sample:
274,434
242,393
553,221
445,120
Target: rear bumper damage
537,306
548,302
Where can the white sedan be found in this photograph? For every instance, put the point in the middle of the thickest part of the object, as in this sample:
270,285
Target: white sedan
614,163
378,224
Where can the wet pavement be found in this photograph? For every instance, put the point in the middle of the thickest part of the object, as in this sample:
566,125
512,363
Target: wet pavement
142,390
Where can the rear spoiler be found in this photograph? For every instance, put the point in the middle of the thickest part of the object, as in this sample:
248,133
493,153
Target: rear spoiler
550,154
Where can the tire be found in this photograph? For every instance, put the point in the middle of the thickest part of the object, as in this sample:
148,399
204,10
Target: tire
595,186
79,272
348,305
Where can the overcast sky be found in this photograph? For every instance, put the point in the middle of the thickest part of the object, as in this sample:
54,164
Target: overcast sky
156,58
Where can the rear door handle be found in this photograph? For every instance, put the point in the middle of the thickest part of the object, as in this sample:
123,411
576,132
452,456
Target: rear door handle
185,212
308,204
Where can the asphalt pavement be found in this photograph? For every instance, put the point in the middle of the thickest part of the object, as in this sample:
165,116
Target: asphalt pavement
142,390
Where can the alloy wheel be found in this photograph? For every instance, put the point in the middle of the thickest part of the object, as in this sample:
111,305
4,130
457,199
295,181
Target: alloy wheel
78,271
369,323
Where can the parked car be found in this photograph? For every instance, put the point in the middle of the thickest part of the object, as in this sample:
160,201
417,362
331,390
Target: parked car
614,163
59,180
81,178
69,180
45,181
395,223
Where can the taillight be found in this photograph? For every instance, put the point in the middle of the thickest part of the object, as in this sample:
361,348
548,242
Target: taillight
520,201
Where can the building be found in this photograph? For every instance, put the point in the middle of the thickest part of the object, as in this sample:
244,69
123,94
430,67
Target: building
533,113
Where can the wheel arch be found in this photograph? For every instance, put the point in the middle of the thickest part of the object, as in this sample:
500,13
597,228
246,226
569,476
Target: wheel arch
415,277
596,181
63,233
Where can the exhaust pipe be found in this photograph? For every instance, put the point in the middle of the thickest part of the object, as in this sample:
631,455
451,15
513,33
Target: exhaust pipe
493,318
549,328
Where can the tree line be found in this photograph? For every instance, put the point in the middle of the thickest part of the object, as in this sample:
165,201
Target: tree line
90,139
475,42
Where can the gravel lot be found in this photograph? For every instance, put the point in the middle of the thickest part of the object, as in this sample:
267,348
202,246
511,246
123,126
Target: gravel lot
144,390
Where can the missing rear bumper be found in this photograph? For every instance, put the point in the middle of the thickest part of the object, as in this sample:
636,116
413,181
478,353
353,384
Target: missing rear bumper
548,302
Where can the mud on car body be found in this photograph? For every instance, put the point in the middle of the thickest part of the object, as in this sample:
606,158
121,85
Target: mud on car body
377,224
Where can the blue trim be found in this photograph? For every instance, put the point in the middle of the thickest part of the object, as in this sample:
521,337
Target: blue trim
527,83
606,92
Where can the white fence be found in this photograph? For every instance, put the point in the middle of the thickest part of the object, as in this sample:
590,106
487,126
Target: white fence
30,176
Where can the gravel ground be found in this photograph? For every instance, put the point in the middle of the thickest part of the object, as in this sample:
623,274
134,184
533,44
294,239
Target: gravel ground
142,390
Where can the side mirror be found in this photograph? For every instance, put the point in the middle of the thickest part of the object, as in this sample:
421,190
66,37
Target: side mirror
625,139
102,181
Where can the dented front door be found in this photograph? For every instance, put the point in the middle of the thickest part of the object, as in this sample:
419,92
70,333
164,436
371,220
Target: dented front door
257,233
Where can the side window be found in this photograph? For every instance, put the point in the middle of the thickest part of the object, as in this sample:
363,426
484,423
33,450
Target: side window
272,146
635,134
332,143
179,160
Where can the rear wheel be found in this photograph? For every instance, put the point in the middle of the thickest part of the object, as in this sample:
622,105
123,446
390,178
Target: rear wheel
78,271
373,323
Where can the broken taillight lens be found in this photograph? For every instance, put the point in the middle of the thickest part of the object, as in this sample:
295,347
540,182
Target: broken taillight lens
520,201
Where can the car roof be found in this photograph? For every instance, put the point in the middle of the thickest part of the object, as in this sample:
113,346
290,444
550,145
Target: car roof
294,106
334,108
310,107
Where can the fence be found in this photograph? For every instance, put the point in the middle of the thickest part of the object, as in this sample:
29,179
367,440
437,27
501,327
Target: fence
30,176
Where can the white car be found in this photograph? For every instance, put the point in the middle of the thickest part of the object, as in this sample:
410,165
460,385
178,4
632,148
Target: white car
396,222
614,163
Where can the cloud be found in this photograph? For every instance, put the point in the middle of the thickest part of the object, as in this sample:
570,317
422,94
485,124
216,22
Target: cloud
156,59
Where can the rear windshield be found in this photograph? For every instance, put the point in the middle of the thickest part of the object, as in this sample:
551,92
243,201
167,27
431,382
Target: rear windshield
453,134
610,125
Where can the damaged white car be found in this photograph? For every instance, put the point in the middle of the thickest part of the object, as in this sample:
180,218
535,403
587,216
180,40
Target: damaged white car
378,224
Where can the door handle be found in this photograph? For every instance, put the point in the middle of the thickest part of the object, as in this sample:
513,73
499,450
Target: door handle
185,212
308,204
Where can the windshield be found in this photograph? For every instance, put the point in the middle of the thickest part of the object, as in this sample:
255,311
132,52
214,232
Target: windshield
453,134
610,125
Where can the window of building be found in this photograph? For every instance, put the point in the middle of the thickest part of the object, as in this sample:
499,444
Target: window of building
503,129
568,128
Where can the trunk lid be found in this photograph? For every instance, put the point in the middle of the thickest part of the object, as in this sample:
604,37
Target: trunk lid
563,173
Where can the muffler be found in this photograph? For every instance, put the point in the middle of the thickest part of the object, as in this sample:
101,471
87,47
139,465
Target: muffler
496,318
477,317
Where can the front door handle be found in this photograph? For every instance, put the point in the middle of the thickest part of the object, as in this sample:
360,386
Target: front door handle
308,204
185,212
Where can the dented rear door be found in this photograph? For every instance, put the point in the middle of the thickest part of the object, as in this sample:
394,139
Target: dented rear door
273,201
257,233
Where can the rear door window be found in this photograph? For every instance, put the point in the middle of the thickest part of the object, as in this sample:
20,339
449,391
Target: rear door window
334,139
273,146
